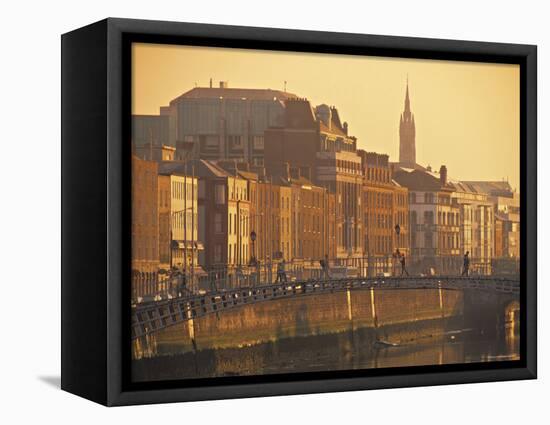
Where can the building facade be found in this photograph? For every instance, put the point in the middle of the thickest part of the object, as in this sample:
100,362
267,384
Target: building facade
434,219
152,152
401,217
385,209
224,219
216,123
476,226
185,244
164,212
150,129
145,228
316,142
184,219
506,232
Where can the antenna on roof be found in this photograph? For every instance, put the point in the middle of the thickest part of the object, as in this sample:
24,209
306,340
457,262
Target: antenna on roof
151,144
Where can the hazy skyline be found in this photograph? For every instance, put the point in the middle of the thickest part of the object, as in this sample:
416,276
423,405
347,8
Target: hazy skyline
467,114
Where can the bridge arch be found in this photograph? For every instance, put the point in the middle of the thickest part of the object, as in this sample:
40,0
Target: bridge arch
153,316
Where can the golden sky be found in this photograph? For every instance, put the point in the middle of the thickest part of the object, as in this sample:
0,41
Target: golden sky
467,114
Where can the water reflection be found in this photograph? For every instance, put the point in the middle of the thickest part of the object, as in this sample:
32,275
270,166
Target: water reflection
357,349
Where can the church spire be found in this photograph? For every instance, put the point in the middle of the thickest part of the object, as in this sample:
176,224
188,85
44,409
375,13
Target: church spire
407,133
407,111
407,100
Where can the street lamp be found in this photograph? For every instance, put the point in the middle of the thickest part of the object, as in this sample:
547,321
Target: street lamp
397,232
253,239
253,261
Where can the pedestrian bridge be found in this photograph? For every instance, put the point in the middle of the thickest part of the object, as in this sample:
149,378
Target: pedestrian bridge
154,316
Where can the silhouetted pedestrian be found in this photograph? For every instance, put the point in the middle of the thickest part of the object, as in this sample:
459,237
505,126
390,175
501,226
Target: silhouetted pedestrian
281,273
466,264
403,265
396,258
240,275
324,267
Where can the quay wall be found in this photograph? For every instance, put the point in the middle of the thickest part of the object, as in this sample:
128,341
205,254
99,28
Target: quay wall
393,315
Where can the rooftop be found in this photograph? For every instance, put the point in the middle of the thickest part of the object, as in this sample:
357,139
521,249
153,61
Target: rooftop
495,188
234,93
420,180
201,168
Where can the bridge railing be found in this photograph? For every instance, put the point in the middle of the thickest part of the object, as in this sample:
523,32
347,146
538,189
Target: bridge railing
265,272
152,316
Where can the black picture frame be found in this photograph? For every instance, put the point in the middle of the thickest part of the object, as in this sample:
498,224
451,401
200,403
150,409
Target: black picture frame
95,210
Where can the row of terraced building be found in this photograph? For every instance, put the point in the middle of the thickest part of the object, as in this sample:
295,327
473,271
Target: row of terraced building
272,177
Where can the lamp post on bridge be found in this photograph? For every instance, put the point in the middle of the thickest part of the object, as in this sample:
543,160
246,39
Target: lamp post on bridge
397,229
253,240
253,260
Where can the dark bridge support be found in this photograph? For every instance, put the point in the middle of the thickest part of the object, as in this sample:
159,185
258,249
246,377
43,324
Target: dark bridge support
487,310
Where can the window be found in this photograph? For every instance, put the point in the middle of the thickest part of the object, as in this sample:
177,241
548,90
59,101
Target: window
235,141
428,240
258,143
209,141
220,194
218,223
428,217
429,198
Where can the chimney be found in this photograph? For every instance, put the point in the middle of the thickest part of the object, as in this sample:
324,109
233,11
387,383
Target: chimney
345,128
324,113
306,172
443,175
287,171
295,173
210,82
224,84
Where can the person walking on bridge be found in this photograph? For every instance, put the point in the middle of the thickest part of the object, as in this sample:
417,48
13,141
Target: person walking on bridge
324,267
403,265
281,273
396,258
466,264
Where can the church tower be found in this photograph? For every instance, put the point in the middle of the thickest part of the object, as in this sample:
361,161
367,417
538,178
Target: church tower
407,133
